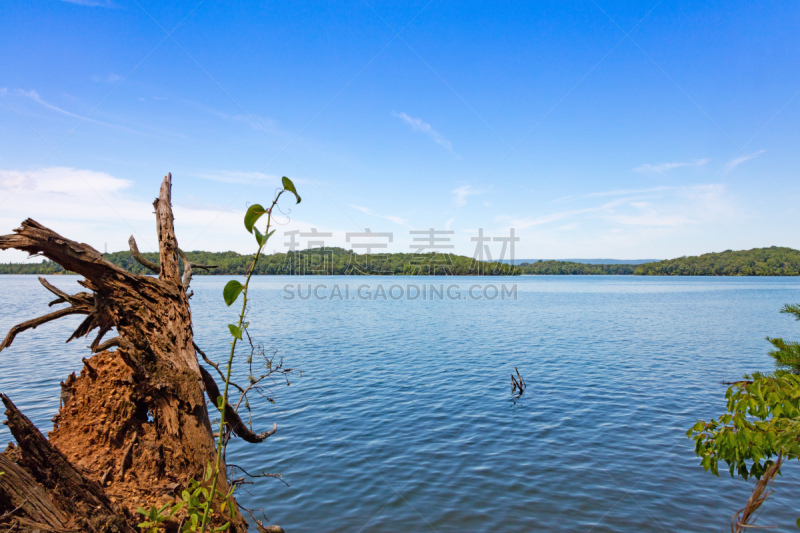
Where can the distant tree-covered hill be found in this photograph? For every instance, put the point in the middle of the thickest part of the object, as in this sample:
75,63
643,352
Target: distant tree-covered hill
772,261
569,268
586,261
323,261
45,267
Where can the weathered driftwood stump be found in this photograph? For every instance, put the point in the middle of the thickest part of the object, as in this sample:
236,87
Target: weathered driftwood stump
133,428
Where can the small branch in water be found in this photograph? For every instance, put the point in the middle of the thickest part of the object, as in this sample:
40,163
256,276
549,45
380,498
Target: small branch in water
278,476
259,524
518,384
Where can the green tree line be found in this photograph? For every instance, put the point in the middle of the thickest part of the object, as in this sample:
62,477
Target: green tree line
773,261
568,268
319,261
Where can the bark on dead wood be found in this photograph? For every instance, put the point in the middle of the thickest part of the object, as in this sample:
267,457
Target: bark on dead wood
44,490
135,419
24,502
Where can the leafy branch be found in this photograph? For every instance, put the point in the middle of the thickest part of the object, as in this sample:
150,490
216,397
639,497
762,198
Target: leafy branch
760,428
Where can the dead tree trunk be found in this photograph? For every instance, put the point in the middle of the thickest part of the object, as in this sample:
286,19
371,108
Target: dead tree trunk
133,428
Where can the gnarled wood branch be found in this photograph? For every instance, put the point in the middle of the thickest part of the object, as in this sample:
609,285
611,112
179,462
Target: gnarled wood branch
63,297
36,239
110,343
167,243
34,323
204,267
139,258
215,366
96,342
232,418
187,269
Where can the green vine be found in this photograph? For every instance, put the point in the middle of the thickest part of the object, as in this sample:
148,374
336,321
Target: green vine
231,293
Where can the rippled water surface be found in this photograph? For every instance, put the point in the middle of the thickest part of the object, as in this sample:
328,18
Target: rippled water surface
403,419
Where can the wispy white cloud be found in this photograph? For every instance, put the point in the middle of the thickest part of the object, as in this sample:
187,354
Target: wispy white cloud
239,177
256,122
35,97
736,161
418,124
61,180
686,206
111,78
529,222
397,220
627,192
91,3
277,132
98,208
661,168
460,194
666,207
615,192
73,202
244,177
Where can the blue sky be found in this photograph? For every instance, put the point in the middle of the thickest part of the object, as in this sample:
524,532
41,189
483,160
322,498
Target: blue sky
594,129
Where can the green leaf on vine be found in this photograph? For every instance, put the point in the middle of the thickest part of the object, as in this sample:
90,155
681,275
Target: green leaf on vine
289,186
262,239
254,212
235,331
232,291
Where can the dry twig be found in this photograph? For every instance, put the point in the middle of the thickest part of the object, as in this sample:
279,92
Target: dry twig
746,517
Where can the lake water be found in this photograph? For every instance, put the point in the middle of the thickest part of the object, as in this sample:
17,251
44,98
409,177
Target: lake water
404,419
